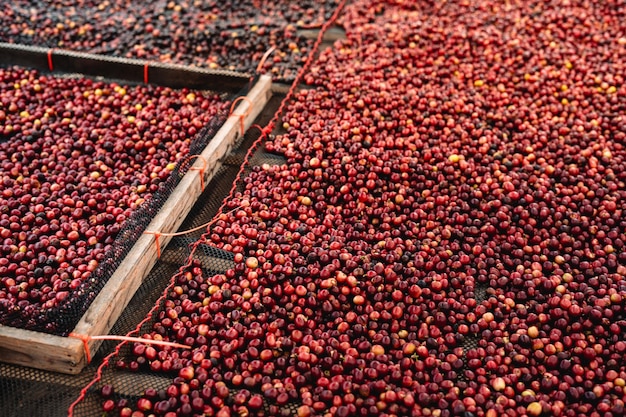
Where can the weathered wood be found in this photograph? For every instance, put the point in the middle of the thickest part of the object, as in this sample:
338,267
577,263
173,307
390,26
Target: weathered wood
66,354
118,68
40,350
331,35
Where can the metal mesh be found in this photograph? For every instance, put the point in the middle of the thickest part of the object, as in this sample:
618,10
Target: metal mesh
213,260
27,392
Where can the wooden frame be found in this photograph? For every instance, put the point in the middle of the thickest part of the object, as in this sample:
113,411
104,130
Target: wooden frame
116,68
67,354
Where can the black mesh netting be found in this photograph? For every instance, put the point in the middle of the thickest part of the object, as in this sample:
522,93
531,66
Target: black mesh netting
32,392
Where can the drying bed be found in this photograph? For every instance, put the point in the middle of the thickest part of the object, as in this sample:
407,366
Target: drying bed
79,156
132,71
83,155
231,35
445,237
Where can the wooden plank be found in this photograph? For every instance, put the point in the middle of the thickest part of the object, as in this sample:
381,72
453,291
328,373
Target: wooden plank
40,350
331,35
117,68
66,354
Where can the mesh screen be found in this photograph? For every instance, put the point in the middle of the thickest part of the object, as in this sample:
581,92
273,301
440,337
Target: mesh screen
30,392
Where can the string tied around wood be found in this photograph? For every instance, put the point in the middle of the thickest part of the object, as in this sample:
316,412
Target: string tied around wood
157,234
242,116
86,339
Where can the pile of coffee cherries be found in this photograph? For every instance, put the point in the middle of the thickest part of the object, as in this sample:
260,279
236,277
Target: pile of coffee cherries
231,35
446,238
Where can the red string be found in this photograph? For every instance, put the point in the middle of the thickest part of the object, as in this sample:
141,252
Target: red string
50,66
85,340
145,73
242,127
267,130
157,235
264,58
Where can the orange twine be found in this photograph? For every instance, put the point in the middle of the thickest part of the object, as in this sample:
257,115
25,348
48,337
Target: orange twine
241,116
264,58
50,66
201,169
157,235
145,73
85,339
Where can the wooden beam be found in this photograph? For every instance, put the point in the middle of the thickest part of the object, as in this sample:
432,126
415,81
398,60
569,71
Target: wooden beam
121,69
41,350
